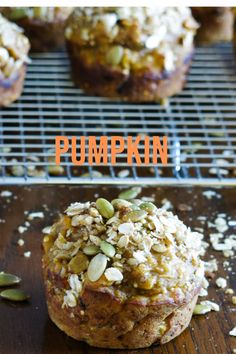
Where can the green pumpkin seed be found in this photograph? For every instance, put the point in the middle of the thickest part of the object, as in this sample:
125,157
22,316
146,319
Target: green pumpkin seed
18,13
130,193
91,250
97,267
105,208
120,203
79,263
14,295
135,215
107,249
201,309
114,55
148,207
8,279
134,207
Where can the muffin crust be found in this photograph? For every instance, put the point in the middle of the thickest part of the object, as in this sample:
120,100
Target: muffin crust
124,280
14,47
135,54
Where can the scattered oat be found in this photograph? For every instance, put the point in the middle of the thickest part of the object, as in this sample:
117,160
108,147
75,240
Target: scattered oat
203,292
6,194
233,332
22,229
232,223
221,282
210,194
47,230
213,306
21,242
234,300
27,254
229,291
36,214
123,173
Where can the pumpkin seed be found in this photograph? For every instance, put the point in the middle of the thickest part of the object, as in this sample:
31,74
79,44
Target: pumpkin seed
8,279
14,295
135,215
114,55
18,13
201,309
130,193
134,207
159,248
105,208
97,267
91,250
148,207
107,249
120,203
79,263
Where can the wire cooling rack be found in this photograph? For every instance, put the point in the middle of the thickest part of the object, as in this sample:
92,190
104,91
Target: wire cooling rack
200,124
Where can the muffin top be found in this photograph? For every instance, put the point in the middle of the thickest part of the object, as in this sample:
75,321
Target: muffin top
132,27
130,249
14,47
48,14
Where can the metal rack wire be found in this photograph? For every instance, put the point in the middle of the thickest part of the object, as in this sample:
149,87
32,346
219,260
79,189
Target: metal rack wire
200,124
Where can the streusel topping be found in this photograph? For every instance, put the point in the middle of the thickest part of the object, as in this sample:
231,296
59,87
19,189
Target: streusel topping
160,31
48,14
14,47
131,248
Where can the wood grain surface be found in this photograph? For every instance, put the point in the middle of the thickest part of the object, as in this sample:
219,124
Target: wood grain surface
26,328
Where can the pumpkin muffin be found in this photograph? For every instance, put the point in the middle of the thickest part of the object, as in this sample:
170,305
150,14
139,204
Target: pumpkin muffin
14,47
216,24
123,274
130,53
44,26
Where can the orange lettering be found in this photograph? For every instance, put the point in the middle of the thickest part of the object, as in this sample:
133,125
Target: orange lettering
133,150
116,150
74,151
162,149
95,154
61,150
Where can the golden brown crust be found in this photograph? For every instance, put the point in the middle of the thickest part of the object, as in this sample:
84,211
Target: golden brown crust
101,320
11,88
44,36
216,24
136,86
112,283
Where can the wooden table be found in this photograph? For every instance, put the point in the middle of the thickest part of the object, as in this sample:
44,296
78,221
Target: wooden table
26,328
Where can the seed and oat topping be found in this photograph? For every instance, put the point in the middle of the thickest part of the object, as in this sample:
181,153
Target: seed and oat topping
133,37
14,47
131,247
47,14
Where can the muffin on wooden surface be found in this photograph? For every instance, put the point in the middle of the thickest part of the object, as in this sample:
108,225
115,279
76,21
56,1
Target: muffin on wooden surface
43,25
121,274
216,24
135,54
14,48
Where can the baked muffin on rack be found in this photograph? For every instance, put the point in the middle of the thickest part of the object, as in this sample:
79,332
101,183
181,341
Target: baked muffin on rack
131,53
14,48
216,24
123,274
44,26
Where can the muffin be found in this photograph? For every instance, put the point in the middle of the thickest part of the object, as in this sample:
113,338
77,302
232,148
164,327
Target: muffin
121,274
43,25
14,48
216,24
130,53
